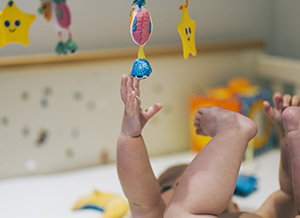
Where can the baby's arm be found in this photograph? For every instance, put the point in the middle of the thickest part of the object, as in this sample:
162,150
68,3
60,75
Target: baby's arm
135,173
281,202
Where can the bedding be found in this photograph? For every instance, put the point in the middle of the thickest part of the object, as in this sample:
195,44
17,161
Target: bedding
54,195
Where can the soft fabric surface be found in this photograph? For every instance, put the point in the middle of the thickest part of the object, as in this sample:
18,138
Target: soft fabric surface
54,195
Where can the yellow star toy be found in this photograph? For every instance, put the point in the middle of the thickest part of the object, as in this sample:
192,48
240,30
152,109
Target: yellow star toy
14,25
186,29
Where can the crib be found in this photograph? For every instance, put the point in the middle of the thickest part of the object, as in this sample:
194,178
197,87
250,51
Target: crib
46,165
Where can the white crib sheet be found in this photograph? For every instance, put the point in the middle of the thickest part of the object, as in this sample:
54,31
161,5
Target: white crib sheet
49,196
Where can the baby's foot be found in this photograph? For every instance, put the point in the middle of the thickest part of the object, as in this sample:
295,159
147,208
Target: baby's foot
291,121
212,120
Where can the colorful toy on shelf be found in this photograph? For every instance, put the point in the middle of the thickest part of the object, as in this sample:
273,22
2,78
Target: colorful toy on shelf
14,25
111,205
240,96
186,29
140,30
219,97
57,12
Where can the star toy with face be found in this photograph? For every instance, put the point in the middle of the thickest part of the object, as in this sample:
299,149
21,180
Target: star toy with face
140,30
14,25
57,12
186,29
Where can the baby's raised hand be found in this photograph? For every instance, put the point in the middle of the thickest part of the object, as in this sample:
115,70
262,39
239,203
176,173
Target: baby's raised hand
280,103
134,118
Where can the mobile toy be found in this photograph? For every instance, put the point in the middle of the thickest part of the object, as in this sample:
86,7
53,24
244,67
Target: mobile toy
58,13
14,25
186,29
140,29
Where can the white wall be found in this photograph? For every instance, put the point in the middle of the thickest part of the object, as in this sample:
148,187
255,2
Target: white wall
286,29
96,117
98,24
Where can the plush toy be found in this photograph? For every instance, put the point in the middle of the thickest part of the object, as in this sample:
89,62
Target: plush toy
111,205
186,29
57,12
140,30
14,25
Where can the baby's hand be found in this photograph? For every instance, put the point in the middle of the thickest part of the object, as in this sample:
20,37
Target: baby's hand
134,118
280,103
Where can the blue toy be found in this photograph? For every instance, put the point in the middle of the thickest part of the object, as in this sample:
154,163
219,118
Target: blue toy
245,185
140,30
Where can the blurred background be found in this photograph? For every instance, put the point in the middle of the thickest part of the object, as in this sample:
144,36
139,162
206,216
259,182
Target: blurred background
64,112
100,25
60,113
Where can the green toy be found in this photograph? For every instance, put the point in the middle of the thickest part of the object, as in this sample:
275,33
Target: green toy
57,12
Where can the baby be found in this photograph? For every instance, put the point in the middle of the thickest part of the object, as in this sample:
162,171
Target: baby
204,187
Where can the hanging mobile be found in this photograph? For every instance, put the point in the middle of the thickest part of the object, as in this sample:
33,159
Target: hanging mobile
186,29
140,30
58,13
14,25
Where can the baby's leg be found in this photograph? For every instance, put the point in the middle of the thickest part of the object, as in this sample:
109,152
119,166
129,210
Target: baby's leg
291,122
209,182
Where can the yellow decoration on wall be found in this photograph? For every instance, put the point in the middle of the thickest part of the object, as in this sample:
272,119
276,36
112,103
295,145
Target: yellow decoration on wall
14,25
186,29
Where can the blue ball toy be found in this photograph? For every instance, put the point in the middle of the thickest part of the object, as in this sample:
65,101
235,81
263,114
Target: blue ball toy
141,69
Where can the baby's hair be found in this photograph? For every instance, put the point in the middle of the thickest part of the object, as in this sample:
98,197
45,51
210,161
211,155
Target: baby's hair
168,177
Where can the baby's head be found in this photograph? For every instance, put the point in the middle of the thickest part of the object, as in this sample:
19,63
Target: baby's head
170,179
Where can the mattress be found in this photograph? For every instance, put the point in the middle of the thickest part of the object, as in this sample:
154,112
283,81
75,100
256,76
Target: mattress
54,195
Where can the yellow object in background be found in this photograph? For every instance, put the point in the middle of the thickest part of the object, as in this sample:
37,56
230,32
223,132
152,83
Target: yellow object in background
14,25
111,205
261,139
219,98
242,87
239,96
186,29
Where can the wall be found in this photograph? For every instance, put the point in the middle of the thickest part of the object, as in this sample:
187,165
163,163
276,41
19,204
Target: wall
104,24
77,108
285,29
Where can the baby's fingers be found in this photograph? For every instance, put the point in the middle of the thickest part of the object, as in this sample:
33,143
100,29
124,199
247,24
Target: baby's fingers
136,86
151,111
130,84
123,88
130,104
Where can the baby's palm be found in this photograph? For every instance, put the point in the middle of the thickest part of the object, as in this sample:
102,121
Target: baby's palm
135,117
